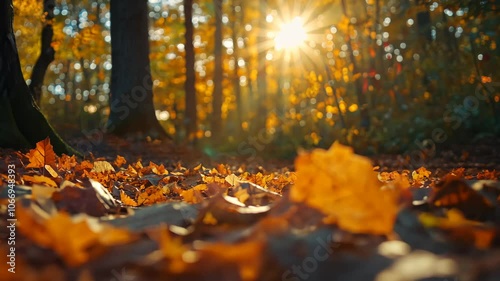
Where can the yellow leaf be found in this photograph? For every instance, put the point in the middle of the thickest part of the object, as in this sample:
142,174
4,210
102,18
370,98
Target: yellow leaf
242,195
40,180
173,249
232,179
209,219
192,196
345,188
420,174
102,167
76,241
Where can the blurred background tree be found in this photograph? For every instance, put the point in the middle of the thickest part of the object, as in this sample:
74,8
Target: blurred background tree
381,75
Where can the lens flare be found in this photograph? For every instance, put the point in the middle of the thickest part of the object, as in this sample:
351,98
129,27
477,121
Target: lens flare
291,35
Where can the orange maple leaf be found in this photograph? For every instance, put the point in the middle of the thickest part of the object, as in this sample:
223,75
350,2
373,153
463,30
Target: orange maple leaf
42,155
345,188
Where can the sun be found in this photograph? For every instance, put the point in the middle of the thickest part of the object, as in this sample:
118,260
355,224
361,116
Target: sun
291,35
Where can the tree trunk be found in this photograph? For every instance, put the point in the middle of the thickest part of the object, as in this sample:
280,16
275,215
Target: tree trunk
190,118
236,74
217,93
260,120
363,106
22,123
132,111
46,52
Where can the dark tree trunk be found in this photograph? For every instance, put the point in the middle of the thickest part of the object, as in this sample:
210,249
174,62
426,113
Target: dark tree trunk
131,103
22,124
190,96
217,93
46,52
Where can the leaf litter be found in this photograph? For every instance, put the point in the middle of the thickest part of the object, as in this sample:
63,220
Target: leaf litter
334,216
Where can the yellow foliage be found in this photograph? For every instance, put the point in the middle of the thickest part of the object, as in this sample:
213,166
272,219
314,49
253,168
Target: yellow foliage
75,240
345,188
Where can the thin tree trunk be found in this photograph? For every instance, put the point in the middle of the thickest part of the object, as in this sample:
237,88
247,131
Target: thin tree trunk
236,75
46,52
363,107
132,110
190,118
22,123
217,93
260,120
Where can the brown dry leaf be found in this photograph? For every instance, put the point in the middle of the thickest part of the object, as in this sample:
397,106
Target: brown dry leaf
72,239
458,172
487,175
455,193
84,165
66,162
222,169
120,161
461,230
344,186
43,180
42,155
102,167
76,200
232,179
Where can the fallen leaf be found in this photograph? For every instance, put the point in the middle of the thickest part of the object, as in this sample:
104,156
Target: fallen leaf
126,200
232,179
345,188
172,249
42,155
209,219
245,257
453,192
120,161
40,180
421,174
192,196
102,167
75,240
51,171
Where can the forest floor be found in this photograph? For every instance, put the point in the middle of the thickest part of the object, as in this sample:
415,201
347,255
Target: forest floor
135,211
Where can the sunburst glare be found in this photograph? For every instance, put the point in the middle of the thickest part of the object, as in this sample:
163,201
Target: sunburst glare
291,35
